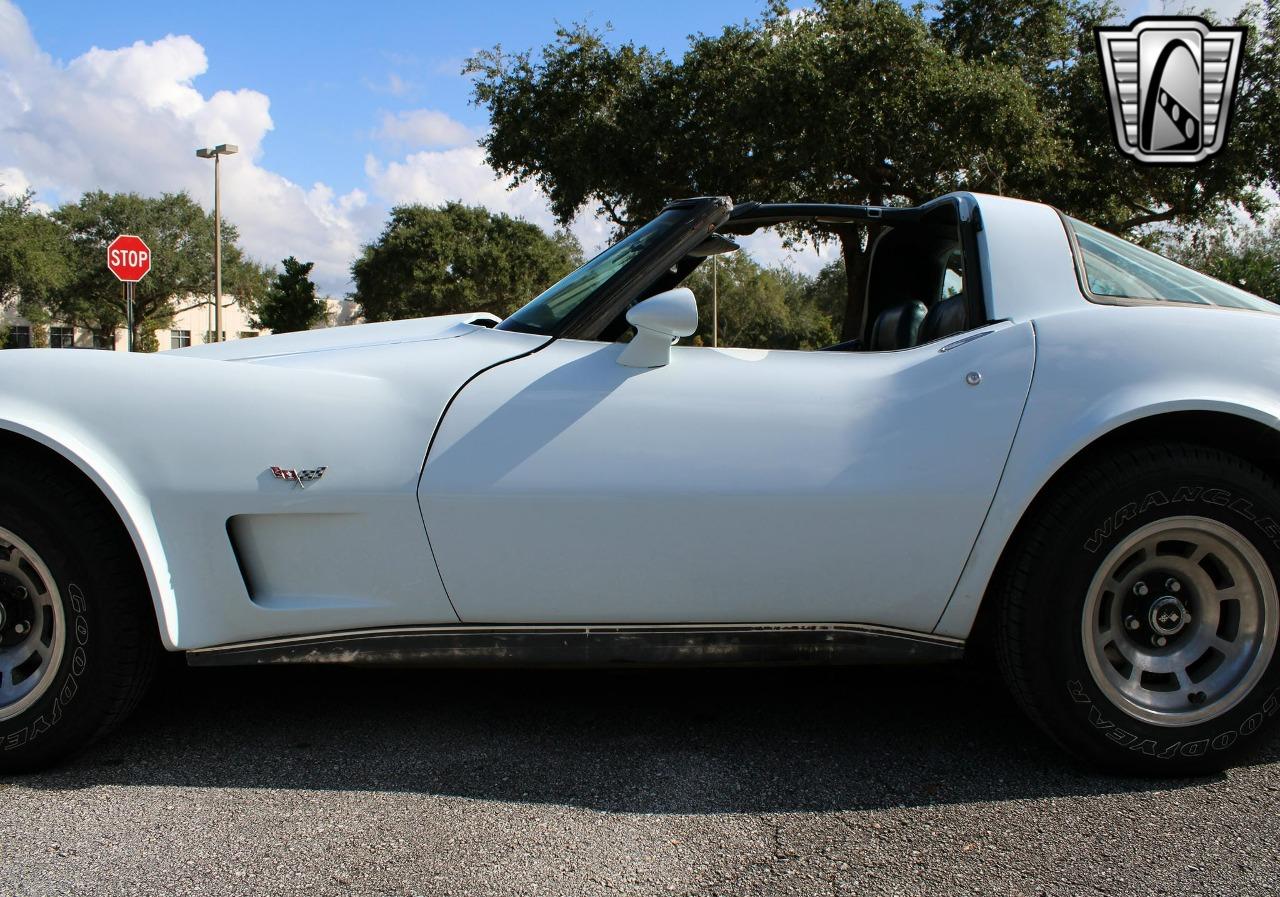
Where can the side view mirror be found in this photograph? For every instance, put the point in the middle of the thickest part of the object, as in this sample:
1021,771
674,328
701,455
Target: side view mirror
659,320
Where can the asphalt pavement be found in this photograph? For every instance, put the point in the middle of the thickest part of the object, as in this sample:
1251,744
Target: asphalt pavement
922,781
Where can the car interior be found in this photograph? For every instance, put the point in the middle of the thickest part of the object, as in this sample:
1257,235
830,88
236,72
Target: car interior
915,290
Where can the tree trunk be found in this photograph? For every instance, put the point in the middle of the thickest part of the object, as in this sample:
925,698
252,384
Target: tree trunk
857,264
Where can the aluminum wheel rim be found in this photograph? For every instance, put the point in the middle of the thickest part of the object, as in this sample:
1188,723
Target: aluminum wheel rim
28,659
1228,630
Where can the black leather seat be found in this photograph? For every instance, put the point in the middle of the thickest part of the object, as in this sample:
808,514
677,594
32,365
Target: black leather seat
947,317
898,327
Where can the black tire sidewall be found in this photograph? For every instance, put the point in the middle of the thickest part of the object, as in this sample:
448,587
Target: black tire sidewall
1203,483
72,708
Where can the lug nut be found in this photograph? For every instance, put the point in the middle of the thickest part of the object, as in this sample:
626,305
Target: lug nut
1132,623
1173,585
22,628
1159,641
1140,589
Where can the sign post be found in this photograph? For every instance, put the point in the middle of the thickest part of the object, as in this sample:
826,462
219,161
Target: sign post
129,259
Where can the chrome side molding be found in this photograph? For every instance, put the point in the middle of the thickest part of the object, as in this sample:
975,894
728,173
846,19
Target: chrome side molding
756,644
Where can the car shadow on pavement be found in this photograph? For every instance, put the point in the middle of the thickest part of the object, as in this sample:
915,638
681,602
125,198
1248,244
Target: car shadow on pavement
646,741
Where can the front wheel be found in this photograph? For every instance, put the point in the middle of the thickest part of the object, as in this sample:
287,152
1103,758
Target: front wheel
1140,612
77,640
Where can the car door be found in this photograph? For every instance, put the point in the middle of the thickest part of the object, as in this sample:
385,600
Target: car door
729,486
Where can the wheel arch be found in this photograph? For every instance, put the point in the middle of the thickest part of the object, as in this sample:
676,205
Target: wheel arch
98,472
1242,430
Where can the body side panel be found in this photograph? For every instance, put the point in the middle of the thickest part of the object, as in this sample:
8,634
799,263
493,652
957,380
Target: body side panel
1027,261
728,486
1102,367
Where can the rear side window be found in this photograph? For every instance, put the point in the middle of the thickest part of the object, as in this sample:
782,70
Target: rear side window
1116,268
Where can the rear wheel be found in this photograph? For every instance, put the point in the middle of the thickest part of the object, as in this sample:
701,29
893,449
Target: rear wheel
77,641
1140,615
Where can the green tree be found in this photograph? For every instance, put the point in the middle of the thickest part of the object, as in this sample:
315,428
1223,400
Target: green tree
457,258
1249,259
34,259
1050,44
180,235
849,101
828,292
862,101
759,308
290,303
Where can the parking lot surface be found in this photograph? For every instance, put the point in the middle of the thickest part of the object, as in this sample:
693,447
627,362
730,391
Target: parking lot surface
353,782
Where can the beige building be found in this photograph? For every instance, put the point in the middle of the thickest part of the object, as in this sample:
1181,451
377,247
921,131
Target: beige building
191,327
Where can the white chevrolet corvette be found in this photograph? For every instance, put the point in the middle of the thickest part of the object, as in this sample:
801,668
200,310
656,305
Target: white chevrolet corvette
1047,440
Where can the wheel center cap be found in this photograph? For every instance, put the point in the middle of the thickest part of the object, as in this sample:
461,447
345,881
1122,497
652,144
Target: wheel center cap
1167,615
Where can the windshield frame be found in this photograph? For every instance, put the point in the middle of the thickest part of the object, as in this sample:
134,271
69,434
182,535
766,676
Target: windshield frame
702,216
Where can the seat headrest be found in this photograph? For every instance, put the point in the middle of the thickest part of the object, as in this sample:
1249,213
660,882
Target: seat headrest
898,326
947,317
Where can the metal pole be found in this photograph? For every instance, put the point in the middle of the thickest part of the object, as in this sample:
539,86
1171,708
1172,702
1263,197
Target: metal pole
217,248
715,301
128,304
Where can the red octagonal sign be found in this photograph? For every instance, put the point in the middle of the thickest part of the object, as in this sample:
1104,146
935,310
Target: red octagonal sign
128,258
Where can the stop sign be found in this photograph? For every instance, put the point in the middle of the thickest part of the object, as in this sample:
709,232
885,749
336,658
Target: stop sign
128,258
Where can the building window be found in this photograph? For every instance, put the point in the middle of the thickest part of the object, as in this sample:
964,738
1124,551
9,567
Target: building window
248,334
62,338
179,339
208,336
19,337
104,340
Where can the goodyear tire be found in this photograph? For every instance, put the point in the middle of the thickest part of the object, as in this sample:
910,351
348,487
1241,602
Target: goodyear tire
77,640
1139,612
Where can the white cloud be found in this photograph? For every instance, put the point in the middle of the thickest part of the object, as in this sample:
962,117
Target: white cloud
394,85
432,177
424,128
768,248
130,119
13,182
435,176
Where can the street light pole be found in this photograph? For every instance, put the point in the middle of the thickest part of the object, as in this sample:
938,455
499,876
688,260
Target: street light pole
216,153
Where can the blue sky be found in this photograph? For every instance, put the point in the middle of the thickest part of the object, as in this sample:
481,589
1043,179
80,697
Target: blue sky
331,68
341,110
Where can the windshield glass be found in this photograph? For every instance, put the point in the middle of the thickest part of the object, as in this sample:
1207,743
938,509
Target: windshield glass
1115,267
545,313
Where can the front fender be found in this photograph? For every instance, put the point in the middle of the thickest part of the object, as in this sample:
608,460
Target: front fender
183,447
96,462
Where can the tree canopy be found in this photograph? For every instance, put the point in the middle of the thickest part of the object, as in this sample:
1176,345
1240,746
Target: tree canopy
35,260
1248,260
180,236
290,303
457,258
1050,45
857,101
758,307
